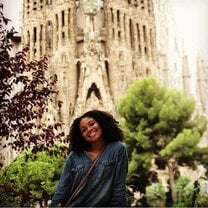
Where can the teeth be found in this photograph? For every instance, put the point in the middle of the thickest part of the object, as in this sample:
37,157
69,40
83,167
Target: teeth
92,134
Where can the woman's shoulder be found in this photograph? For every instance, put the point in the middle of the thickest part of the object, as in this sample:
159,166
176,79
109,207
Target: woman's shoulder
116,145
74,159
73,156
116,150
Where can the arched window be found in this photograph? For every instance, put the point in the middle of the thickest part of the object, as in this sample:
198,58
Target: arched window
94,89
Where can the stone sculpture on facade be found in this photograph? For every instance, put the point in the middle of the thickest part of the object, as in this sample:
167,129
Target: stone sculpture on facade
83,40
93,91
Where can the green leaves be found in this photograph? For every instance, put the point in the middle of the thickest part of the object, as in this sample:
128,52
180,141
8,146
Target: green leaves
183,145
156,195
139,100
176,106
32,178
184,192
143,160
156,114
159,123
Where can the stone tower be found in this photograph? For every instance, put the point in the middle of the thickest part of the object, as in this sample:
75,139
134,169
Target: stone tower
96,48
186,76
202,86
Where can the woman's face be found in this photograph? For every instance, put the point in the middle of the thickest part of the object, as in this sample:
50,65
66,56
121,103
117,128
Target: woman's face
90,129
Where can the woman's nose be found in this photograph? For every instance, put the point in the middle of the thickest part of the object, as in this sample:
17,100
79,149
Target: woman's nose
88,128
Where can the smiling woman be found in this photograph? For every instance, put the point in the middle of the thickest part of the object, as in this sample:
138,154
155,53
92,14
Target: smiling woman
94,136
92,133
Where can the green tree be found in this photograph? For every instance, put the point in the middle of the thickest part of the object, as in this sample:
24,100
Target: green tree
31,178
184,192
160,125
156,195
201,199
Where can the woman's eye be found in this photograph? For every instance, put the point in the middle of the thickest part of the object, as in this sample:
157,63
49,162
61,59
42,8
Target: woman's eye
91,123
83,130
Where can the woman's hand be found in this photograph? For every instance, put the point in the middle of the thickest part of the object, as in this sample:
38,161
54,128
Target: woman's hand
59,205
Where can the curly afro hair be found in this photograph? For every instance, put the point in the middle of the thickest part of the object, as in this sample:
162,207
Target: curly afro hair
109,125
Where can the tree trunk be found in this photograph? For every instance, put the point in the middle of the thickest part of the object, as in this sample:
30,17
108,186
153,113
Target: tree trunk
171,170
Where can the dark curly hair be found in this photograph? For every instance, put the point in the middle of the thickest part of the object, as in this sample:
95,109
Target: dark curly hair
109,125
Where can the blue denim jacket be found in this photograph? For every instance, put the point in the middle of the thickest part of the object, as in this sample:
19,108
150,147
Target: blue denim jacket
106,185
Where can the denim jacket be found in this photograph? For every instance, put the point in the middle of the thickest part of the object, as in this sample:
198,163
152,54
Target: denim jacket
105,186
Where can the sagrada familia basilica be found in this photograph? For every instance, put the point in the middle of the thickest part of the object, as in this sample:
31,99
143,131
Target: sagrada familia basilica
98,48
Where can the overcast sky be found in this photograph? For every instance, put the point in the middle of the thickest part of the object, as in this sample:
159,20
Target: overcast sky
191,17
12,10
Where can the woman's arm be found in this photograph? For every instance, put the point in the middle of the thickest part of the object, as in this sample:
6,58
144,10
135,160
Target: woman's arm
63,186
119,197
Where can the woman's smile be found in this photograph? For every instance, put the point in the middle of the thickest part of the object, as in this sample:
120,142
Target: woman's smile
90,129
91,133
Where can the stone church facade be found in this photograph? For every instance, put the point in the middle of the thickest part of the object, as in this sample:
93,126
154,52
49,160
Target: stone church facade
96,48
